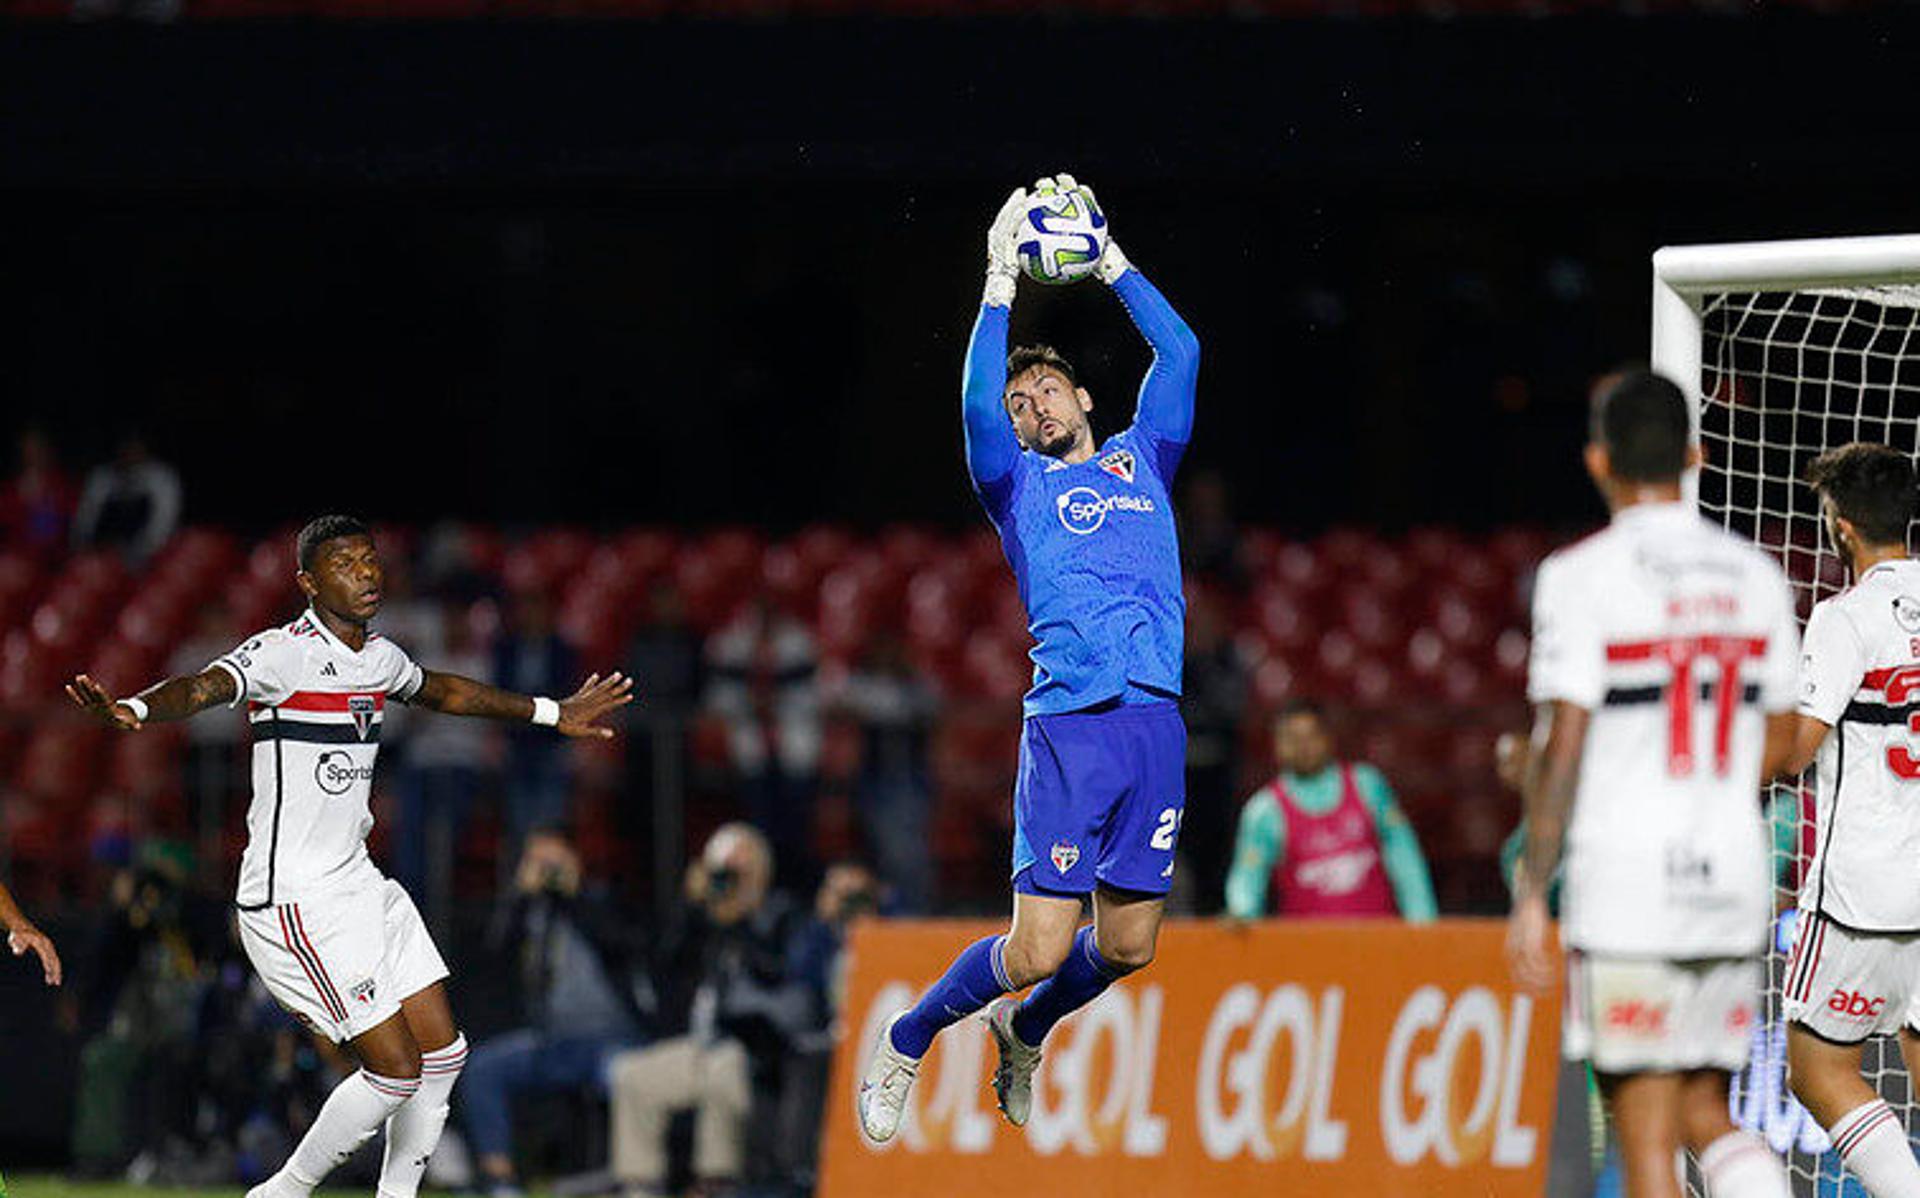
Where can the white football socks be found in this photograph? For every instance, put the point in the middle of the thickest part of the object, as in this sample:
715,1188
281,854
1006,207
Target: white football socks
414,1129
1872,1143
352,1113
1740,1165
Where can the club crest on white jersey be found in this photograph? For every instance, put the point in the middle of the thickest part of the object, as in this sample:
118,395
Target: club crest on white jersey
315,708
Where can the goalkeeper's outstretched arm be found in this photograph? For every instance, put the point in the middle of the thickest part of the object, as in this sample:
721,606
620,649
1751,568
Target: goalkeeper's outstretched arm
992,448
1166,394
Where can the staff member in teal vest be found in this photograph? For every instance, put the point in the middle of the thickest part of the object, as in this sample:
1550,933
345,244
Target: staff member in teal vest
1325,838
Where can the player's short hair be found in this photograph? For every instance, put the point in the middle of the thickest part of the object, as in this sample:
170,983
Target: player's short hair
1299,706
1871,487
322,529
1641,418
1026,357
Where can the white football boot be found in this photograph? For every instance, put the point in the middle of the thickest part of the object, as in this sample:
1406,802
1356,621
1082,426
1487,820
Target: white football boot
883,1091
1013,1078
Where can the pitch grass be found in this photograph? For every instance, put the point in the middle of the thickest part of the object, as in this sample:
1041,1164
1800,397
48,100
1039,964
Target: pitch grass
44,1185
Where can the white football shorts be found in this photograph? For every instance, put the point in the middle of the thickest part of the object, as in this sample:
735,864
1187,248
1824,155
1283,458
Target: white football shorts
1647,1015
342,963
1847,985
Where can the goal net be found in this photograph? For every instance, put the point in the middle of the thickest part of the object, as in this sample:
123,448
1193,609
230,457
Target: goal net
1789,349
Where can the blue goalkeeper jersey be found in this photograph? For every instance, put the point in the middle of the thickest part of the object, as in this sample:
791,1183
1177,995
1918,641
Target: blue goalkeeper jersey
1092,545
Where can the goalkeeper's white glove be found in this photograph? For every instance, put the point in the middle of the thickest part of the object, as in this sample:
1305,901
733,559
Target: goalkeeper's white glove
1003,250
1113,263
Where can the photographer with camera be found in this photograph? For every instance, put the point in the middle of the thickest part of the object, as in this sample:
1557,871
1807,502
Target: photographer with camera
582,994
731,1011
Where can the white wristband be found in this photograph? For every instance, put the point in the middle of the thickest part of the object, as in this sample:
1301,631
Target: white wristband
546,712
139,708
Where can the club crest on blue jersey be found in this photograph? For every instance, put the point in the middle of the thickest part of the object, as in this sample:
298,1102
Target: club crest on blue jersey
361,708
1065,855
1119,463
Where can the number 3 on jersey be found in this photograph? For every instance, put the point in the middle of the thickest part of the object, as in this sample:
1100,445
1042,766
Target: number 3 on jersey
1900,691
1169,828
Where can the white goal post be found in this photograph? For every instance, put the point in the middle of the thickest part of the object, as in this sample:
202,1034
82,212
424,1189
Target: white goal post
1685,275
1786,349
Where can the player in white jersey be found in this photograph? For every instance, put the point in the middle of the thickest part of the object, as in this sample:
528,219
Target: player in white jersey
1662,647
1855,967
338,944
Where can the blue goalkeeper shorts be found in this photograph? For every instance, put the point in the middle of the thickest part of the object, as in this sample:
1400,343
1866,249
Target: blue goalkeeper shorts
1099,799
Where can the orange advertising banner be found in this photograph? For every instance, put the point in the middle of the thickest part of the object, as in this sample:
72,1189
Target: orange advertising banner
1309,1058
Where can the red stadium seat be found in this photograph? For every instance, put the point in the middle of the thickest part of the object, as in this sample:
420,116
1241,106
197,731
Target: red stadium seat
1462,618
938,611
1259,551
31,673
1373,619
1346,550
61,762
909,548
1278,679
122,666
21,579
1510,658
1284,620
647,552
790,581
1387,573
821,547
1520,548
995,666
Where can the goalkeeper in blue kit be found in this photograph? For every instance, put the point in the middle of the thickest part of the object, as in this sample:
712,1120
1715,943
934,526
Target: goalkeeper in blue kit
1089,532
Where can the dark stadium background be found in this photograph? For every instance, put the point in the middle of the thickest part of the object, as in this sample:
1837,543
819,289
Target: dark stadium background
699,271
725,269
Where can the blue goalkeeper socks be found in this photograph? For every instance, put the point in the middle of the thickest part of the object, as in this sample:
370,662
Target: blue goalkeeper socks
976,977
1081,979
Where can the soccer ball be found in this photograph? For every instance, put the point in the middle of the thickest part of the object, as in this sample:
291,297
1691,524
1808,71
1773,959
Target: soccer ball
1062,238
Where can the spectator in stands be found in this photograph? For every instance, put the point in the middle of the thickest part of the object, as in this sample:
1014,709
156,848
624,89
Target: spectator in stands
214,769
896,710
444,765
666,658
131,503
1213,694
37,505
730,1011
763,680
848,891
1325,838
581,994
146,969
534,656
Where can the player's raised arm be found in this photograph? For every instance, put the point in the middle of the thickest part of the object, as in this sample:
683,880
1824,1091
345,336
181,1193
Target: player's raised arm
1166,394
575,715
992,448
174,699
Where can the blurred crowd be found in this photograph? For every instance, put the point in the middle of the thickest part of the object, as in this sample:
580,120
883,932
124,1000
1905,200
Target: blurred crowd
826,729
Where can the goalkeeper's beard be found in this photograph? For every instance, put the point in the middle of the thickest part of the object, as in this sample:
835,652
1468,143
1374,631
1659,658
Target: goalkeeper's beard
1057,446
